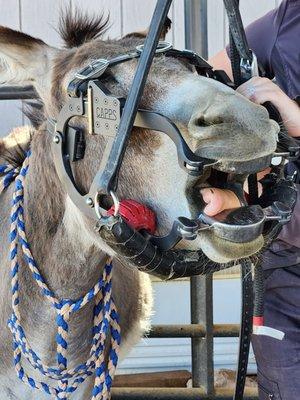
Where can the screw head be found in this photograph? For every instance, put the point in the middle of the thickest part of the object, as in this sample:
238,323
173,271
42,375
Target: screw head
89,202
56,139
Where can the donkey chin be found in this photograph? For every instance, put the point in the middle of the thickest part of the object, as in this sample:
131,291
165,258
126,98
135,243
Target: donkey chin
223,251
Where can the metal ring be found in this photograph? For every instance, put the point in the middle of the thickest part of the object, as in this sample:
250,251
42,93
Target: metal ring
116,203
98,209
162,47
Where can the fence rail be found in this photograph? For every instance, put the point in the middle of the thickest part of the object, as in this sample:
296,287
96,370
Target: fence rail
17,93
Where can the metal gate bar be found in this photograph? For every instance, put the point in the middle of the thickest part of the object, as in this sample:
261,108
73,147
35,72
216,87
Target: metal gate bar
17,93
193,331
201,287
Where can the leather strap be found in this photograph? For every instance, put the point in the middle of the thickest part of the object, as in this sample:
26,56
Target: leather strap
245,330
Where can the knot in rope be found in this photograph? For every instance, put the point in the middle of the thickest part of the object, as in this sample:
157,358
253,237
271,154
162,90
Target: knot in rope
105,316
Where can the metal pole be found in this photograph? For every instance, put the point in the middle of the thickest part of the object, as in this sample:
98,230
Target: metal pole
202,348
17,93
196,26
201,287
193,331
108,179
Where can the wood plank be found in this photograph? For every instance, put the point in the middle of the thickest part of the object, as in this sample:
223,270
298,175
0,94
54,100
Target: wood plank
136,16
154,379
10,113
178,33
39,18
9,15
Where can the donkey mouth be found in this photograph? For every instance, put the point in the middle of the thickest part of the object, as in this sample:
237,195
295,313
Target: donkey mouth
231,234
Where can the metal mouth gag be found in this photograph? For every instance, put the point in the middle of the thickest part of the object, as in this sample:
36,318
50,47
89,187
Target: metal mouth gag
89,98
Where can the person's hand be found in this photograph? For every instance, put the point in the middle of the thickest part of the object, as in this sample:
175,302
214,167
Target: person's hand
218,200
260,90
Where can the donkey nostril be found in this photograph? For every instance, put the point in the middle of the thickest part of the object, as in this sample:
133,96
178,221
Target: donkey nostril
200,121
209,120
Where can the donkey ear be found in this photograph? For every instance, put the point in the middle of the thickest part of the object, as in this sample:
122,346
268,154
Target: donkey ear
23,59
143,34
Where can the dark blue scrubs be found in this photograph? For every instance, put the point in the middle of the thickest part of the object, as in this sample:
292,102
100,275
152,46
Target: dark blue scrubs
275,39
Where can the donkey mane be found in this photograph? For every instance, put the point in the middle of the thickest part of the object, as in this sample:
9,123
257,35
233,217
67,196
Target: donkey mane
77,27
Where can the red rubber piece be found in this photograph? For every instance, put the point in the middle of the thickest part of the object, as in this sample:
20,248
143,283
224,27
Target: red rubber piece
258,321
137,215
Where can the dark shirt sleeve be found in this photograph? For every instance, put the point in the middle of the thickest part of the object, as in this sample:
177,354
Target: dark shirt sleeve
262,35
290,232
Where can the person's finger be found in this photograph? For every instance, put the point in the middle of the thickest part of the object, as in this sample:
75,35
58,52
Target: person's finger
214,201
263,173
218,200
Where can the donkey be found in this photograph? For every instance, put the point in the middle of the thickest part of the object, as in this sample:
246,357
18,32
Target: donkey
215,121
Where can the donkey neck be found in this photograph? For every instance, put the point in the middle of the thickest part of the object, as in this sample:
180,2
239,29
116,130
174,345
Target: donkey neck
69,263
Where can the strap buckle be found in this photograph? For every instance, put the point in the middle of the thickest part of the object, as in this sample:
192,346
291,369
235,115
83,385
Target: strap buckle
95,69
249,68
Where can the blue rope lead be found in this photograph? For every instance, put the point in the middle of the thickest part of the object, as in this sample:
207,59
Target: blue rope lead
106,320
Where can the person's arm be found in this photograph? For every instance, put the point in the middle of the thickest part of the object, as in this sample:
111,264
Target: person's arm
222,61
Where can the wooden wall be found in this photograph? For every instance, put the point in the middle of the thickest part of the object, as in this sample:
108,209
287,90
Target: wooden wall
39,18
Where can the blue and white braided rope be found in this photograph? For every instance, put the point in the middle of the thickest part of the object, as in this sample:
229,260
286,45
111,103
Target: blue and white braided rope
105,314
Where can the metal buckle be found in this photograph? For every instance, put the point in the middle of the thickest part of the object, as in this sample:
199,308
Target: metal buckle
162,47
95,69
249,68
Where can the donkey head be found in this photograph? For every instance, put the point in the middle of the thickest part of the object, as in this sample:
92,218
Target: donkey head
216,122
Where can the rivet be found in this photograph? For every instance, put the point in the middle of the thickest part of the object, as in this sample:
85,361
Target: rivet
89,202
71,108
56,139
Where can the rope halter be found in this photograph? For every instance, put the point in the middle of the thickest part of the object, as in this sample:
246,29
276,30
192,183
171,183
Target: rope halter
106,321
